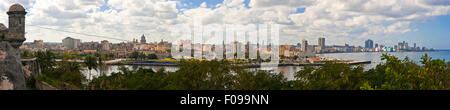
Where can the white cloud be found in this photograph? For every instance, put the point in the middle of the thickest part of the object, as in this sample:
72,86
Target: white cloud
362,19
343,21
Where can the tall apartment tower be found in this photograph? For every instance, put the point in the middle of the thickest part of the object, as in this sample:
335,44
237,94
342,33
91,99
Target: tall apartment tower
304,45
369,44
321,42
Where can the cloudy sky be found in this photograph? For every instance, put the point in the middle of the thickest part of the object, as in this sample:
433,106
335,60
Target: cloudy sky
425,22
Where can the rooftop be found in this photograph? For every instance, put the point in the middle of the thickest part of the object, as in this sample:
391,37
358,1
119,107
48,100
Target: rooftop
16,7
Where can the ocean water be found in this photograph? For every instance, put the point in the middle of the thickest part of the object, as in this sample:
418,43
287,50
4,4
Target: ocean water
375,57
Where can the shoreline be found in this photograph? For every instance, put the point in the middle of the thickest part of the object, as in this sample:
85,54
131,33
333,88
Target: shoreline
353,62
382,52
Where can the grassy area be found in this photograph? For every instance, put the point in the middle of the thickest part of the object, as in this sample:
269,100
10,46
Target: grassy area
166,60
49,80
156,60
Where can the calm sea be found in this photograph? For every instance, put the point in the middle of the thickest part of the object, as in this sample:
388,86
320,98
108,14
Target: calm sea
375,57
289,71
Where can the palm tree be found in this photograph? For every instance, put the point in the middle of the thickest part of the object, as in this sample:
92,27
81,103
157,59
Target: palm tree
91,63
142,56
134,55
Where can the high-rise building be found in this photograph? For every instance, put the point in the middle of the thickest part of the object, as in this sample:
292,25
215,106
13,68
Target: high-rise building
71,43
369,44
321,42
406,46
304,45
143,41
403,46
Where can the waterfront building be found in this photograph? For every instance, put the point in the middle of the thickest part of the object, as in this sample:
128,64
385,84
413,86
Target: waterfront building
71,43
369,44
90,45
321,42
285,50
304,45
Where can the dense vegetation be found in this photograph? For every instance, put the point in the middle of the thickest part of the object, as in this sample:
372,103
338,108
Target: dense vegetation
59,74
192,75
394,74
141,56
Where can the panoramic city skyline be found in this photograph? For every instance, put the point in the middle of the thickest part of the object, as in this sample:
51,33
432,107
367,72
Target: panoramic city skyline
215,54
424,22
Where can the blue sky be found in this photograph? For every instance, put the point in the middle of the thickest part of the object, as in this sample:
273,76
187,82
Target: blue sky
196,3
434,33
425,22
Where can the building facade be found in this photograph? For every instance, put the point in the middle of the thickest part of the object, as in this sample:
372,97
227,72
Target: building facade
304,45
369,44
105,45
143,41
321,42
71,43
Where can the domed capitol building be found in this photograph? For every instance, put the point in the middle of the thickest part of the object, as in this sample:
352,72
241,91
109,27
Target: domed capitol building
11,38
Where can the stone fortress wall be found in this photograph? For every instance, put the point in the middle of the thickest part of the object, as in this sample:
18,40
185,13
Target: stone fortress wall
12,75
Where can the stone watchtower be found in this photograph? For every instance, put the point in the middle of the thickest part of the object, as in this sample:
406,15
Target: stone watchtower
16,31
11,72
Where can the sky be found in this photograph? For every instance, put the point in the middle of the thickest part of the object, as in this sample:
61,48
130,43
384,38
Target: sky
387,22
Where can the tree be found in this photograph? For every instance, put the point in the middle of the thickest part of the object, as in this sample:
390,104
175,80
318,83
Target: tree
134,55
330,76
91,62
101,58
26,54
395,74
259,80
201,75
111,55
152,56
142,56
46,61
57,74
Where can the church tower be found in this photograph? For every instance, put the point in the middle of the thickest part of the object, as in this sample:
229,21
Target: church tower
143,41
16,31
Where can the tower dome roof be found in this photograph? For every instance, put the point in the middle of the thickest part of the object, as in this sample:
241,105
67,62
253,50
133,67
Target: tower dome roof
3,27
16,7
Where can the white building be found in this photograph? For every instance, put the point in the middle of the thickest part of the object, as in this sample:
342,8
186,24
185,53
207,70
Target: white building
71,43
